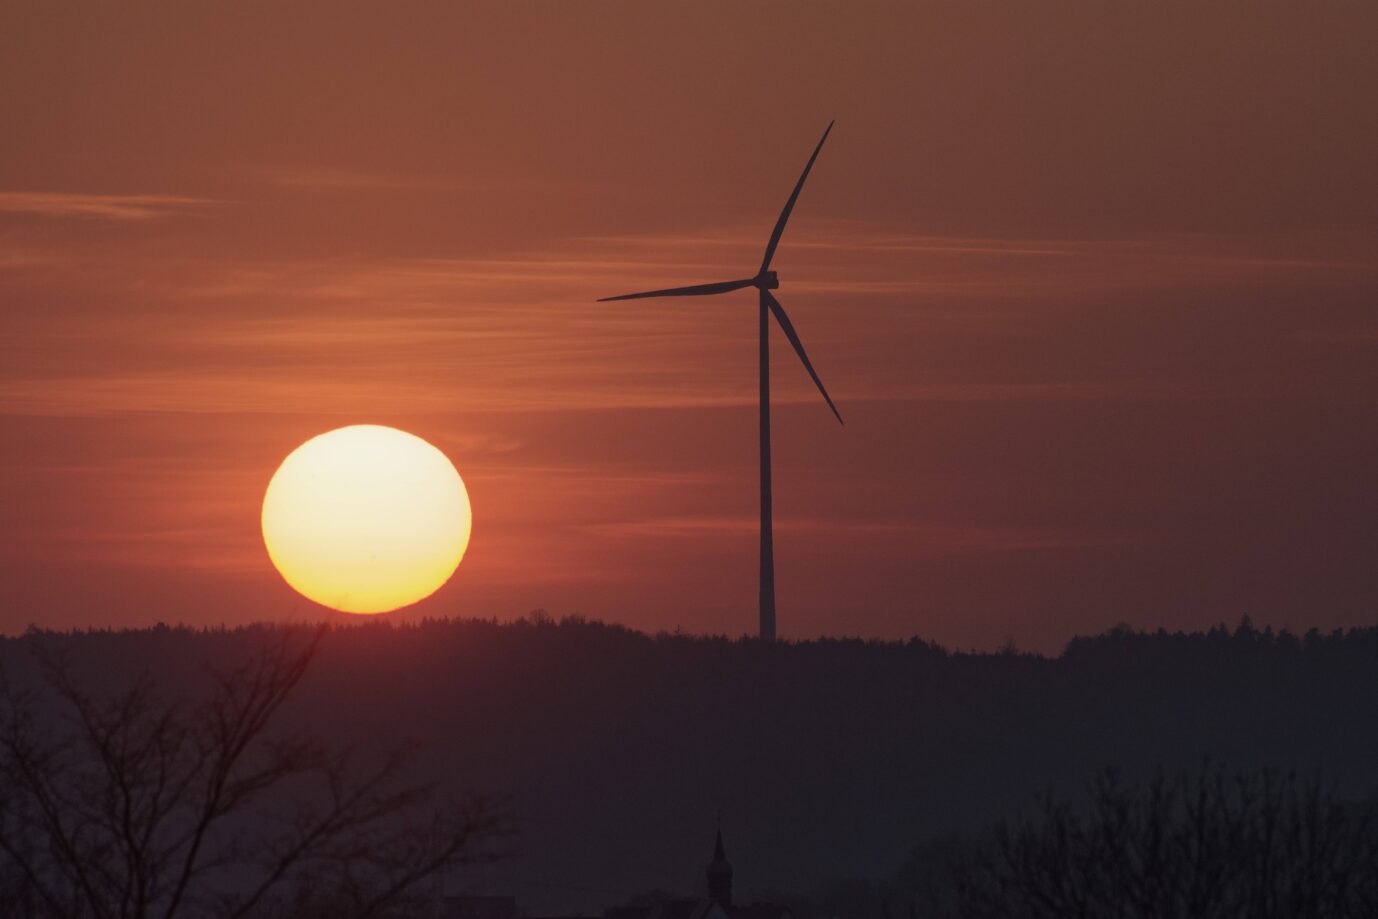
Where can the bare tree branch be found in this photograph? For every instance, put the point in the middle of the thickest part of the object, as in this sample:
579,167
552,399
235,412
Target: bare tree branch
140,808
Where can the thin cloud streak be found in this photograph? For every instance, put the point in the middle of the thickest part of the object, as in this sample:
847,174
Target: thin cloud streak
927,538
521,333
101,206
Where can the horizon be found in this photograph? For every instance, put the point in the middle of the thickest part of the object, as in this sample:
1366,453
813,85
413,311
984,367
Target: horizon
1245,627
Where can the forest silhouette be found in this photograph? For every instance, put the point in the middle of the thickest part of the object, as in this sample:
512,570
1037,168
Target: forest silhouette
836,763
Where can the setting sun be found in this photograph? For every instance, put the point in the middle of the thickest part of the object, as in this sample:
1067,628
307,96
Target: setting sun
366,519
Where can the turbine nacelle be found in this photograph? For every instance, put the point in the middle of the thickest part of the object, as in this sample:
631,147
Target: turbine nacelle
767,280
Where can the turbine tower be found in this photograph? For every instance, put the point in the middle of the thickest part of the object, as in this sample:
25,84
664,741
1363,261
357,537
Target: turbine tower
765,281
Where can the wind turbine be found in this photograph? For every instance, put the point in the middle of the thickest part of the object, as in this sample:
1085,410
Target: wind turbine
765,281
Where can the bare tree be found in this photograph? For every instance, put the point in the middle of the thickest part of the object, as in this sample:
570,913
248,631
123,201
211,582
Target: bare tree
1261,845
134,806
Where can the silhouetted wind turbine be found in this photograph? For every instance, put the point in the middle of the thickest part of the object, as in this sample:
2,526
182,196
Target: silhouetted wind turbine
765,281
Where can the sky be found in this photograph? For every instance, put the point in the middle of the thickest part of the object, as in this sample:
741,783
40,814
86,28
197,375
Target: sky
1093,286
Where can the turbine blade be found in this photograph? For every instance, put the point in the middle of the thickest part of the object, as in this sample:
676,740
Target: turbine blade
696,290
793,337
789,205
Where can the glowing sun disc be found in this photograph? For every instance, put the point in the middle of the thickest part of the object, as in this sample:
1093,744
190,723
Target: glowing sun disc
366,519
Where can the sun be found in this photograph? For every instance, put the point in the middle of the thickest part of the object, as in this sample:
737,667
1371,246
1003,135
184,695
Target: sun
366,519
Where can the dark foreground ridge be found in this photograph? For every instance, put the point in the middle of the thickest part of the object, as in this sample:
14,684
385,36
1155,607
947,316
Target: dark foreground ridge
828,759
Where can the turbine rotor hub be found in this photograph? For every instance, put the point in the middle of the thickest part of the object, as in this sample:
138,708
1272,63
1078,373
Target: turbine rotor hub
768,280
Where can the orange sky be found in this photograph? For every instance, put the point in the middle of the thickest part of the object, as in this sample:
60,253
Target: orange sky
1093,287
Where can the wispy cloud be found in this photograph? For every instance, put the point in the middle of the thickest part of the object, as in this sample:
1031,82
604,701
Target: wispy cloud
856,258
521,332
103,207
919,536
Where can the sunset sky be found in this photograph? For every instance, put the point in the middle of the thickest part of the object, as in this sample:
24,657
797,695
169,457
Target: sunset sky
1095,287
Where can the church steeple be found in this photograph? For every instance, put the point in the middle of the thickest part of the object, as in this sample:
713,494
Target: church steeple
719,872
